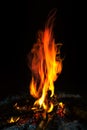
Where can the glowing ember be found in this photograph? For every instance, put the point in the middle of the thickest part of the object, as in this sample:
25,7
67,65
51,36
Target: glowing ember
61,109
46,65
13,119
61,105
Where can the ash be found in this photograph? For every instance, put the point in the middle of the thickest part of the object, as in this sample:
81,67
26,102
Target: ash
57,124
72,117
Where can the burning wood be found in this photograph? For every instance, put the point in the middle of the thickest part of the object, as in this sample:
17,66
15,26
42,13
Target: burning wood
17,114
13,119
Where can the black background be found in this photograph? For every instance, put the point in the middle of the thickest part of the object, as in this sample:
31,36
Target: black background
20,21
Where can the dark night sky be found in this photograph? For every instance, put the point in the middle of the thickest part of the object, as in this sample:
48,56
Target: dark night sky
20,22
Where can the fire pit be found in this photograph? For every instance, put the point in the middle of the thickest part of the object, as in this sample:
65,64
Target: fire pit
69,113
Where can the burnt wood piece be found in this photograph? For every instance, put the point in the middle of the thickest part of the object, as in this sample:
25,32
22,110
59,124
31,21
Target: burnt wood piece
75,116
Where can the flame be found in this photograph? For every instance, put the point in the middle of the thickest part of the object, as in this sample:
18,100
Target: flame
46,65
61,105
13,119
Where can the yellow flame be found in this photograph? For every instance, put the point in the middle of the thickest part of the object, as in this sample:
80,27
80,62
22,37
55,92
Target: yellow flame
51,108
61,104
13,119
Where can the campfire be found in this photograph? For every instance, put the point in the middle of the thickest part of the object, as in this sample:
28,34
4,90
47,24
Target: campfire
46,65
44,110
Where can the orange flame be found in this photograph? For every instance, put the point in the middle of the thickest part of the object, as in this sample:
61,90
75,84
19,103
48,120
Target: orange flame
46,65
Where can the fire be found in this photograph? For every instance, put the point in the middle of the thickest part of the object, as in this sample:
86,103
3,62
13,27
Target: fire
61,109
46,65
13,119
61,105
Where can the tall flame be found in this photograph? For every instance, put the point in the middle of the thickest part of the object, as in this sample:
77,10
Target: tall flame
46,65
